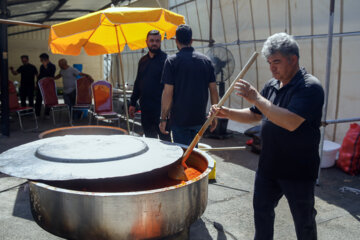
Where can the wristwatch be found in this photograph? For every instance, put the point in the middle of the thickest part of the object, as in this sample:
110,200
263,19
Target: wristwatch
163,120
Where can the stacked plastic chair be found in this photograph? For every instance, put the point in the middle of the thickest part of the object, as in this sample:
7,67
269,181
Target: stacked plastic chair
48,91
16,108
103,105
83,97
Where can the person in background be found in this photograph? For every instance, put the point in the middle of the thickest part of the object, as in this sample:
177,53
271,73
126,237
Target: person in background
148,87
47,69
290,107
69,76
188,77
27,84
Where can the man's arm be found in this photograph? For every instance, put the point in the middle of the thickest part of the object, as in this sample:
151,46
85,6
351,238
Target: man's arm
239,115
166,102
279,116
136,91
57,76
84,74
214,96
13,71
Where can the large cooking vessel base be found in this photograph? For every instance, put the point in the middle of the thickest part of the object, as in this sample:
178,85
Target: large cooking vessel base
183,235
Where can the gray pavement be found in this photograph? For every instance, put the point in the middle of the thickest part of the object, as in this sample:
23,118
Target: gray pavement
229,213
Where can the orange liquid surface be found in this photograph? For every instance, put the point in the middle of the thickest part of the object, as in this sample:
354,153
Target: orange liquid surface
191,173
143,182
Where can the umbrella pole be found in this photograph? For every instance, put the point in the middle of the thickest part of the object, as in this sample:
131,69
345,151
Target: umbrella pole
124,93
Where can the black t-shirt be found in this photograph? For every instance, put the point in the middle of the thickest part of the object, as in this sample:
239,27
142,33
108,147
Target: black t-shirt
47,72
190,73
28,73
148,87
292,155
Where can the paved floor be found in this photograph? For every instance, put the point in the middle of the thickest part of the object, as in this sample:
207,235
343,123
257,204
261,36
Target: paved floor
229,213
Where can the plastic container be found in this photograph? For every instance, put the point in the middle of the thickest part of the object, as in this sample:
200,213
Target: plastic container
330,154
212,174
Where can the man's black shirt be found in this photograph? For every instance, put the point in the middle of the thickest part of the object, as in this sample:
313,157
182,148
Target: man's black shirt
28,73
148,87
286,154
190,73
47,72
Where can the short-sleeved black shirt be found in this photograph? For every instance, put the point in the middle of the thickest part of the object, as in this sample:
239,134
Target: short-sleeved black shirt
148,87
28,73
190,73
47,72
292,155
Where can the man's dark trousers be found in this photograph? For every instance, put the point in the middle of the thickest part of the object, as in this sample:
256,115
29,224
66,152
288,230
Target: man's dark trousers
300,195
26,92
150,125
38,103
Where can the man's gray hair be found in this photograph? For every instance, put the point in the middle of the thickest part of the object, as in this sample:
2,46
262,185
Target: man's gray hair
283,43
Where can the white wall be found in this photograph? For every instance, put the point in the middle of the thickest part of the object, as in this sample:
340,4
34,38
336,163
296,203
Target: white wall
258,19
35,43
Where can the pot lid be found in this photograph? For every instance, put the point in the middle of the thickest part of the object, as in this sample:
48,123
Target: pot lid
88,157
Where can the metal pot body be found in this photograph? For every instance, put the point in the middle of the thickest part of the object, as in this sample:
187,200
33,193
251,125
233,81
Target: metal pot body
122,215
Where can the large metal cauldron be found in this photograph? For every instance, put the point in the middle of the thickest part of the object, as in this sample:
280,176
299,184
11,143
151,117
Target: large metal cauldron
142,206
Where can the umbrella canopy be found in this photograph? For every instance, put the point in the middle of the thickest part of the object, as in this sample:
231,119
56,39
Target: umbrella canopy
107,31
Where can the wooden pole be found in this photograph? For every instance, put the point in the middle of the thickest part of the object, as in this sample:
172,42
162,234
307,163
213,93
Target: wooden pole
124,93
13,22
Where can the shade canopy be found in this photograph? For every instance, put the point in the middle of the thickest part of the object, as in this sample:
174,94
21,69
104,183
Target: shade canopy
88,157
107,31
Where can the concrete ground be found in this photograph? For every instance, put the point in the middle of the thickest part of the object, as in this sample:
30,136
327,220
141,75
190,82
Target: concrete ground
229,213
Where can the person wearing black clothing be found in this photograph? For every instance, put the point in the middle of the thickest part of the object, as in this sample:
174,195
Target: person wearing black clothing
27,83
290,107
148,87
188,76
47,69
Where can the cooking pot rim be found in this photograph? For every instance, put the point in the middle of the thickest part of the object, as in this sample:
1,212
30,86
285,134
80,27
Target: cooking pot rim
109,194
43,134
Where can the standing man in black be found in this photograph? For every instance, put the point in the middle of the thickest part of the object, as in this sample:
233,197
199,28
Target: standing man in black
290,108
27,83
47,69
148,87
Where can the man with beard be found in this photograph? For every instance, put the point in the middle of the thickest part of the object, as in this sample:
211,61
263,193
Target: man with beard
148,87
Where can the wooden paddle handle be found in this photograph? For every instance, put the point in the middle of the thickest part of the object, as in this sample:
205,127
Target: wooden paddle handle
222,149
220,104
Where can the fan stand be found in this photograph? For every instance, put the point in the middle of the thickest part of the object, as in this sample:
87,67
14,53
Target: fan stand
220,131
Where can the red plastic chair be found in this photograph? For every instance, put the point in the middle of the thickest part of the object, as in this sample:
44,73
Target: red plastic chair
103,105
48,91
83,96
16,108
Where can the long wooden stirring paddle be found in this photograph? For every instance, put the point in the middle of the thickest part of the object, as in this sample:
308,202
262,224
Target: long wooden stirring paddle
178,172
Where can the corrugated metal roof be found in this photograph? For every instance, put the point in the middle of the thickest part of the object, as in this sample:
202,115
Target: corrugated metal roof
46,11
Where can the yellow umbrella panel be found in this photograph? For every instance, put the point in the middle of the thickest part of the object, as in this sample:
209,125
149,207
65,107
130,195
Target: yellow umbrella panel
107,31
